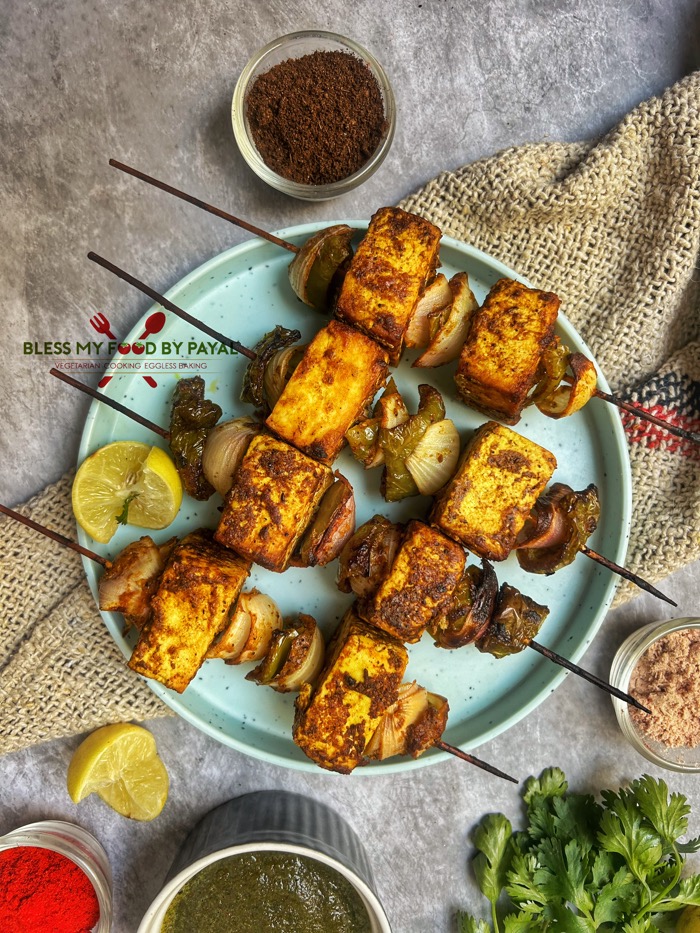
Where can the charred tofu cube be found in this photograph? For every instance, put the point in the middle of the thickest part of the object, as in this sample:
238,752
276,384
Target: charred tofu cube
425,571
394,262
331,388
335,720
200,585
500,361
486,503
274,495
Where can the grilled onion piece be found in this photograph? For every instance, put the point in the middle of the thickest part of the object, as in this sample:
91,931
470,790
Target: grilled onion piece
559,525
253,390
576,391
224,449
330,528
434,301
316,271
294,657
434,458
367,556
447,341
411,725
129,585
247,637
400,441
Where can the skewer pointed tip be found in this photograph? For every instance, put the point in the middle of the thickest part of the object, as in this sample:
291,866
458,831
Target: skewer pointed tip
473,760
627,574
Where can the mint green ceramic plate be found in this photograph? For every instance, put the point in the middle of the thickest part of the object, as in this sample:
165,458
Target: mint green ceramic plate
243,293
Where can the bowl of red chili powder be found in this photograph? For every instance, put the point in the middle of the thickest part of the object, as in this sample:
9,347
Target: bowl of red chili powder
313,114
54,878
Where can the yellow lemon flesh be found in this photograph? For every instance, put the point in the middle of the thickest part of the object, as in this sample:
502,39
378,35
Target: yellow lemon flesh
120,764
689,921
126,482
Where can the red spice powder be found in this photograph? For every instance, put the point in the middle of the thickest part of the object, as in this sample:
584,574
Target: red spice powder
44,892
667,681
318,118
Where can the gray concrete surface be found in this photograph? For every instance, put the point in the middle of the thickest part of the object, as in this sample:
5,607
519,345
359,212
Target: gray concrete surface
82,81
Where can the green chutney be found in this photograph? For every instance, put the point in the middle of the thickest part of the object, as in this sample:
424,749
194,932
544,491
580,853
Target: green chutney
277,892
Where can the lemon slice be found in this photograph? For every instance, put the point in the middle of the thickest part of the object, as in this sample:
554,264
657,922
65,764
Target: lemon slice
689,921
128,482
120,764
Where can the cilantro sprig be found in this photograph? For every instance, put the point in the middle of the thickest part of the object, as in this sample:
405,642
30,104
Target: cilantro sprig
581,866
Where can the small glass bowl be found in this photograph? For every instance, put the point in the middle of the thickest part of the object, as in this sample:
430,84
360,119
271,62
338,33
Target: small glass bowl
80,847
686,760
295,45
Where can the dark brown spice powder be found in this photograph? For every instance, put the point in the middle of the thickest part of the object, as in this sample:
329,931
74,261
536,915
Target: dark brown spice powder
318,118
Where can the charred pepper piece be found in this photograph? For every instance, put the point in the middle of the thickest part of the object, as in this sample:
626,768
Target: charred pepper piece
295,656
399,442
253,390
515,622
559,525
192,418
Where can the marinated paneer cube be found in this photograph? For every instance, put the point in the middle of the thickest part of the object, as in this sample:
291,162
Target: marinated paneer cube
500,361
274,495
499,478
360,680
332,387
200,585
394,262
425,571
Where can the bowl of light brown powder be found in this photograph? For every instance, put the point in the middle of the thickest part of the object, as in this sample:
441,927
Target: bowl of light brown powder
660,666
313,114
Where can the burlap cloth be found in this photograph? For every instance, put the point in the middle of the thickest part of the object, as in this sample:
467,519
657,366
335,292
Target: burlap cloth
613,227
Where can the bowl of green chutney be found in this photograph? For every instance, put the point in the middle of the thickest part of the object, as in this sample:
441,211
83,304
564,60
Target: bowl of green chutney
272,861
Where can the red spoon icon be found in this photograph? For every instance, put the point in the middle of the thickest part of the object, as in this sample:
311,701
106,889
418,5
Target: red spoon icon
154,324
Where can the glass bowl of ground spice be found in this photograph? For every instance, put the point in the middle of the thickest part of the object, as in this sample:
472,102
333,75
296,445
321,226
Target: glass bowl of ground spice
313,114
660,666
54,876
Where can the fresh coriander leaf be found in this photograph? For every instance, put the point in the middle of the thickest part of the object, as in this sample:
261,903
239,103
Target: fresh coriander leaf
541,820
123,517
562,875
551,783
523,923
577,816
468,924
602,869
617,899
640,925
521,887
569,922
668,817
491,838
621,831
688,894
692,845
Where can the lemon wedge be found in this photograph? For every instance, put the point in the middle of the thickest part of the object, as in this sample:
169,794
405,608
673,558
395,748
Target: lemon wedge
125,482
120,764
689,921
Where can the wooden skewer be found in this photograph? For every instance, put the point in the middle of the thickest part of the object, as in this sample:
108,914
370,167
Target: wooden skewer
117,406
645,415
166,303
627,574
458,753
55,536
237,221
591,678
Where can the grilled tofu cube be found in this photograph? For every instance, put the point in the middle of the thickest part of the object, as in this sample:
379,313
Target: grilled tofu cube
500,361
394,262
335,720
425,571
201,583
274,494
331,388
486,503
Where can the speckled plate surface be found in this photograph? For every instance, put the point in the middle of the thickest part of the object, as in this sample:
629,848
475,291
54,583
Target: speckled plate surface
243,293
